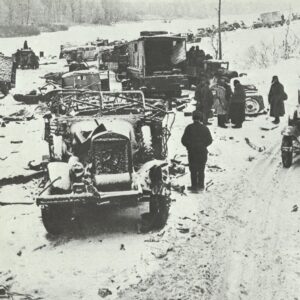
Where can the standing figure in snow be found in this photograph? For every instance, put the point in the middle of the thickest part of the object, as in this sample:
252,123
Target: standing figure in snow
237,105
196,139
277,96
220,103
204,98
25,46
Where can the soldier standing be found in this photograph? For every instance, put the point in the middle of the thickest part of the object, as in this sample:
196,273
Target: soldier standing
196,139
204,98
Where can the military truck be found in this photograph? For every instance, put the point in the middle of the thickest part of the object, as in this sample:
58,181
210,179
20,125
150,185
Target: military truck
8,71
26,59
208,69
271,19
98,155
157,65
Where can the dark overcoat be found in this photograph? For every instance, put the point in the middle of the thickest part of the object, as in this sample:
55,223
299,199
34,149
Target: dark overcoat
276,100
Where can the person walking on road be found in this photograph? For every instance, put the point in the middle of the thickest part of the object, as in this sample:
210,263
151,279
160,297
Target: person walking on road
237,105
196,138
277,96
204,98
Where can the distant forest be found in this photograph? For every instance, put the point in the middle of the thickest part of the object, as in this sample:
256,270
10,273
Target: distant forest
35,12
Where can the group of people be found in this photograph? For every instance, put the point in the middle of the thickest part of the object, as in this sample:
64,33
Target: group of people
196,56
197,137
228,105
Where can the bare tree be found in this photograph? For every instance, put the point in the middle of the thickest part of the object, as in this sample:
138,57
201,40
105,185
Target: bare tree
11,9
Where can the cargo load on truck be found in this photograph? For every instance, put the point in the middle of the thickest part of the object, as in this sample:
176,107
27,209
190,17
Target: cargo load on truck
157,64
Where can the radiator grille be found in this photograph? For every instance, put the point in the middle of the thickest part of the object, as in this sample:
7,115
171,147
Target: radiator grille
110,156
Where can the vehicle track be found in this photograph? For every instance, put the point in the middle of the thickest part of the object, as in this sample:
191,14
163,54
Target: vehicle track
261,256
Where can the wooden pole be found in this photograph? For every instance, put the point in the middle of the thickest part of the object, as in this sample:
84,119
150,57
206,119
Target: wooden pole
219,30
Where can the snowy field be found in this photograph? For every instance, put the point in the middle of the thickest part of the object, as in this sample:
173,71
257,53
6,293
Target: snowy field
241,239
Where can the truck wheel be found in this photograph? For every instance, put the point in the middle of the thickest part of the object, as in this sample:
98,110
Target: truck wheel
252,106
159,210
287,156
54,219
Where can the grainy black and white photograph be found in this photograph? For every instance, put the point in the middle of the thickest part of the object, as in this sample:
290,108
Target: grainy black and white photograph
149,149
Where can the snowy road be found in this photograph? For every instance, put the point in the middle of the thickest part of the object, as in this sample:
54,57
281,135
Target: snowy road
244,239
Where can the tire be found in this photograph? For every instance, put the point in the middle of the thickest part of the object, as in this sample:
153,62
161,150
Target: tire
55,219
251,106
287,156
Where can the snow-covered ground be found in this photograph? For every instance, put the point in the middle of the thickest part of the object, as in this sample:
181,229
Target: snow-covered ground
237,240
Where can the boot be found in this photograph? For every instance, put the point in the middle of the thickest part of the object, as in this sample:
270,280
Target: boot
221,121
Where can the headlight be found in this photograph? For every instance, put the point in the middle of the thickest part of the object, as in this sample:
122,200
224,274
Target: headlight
77,169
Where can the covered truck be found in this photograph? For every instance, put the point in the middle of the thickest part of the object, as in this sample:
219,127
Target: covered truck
270,19
156,65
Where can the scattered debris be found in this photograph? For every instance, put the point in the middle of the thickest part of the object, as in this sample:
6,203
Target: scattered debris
35,166
21,179
161,253
267,129
39,248
15,203
183,230
295,208
122,247
188,218
16,142
19,253
3,158
152,240
209,184
253,146
250,158
104,292
179,188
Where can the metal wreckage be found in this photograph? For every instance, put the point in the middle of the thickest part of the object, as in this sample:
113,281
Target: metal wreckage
100,153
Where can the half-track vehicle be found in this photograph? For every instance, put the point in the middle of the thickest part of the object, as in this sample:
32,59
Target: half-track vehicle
26,59
99,154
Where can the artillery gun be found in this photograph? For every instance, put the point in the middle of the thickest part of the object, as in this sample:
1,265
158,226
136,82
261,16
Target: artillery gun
99,154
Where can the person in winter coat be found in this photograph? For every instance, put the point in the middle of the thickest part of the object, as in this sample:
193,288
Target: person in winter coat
220,103
237,105
204,98
25,45
196,139
277,96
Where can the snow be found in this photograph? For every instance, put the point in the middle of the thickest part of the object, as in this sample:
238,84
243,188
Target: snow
242,240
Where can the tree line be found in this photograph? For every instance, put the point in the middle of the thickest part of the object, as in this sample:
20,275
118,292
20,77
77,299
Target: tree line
31,12
35,12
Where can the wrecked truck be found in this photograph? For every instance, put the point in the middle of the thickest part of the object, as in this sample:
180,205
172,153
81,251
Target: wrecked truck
157,65
99,155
